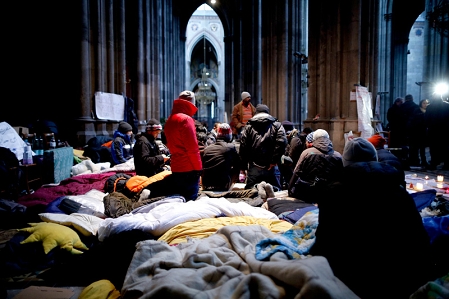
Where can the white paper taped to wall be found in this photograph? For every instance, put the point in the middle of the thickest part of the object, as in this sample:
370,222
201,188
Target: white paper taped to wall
109,106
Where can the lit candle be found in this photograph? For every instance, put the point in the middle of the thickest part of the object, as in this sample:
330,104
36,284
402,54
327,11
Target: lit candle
426,177
440,178
419,187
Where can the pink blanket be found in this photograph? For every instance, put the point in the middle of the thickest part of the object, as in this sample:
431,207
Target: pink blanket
76,185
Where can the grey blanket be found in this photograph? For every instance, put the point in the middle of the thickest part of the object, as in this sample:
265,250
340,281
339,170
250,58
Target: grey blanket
224,266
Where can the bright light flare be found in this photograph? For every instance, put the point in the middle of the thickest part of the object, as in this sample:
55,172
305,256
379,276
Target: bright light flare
441,88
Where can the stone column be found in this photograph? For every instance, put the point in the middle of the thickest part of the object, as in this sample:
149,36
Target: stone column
340,57
85,128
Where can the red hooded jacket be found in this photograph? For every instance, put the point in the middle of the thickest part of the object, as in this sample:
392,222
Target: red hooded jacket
181,137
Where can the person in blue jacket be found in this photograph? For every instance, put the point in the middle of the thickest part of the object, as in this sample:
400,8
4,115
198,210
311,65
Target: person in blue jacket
123,143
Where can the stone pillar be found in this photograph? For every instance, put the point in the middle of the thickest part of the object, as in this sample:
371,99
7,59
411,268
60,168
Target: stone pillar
85,128
340,56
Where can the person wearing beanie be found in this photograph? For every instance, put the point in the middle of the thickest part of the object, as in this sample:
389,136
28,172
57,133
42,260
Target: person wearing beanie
224,132
188,96
241,113
367,190
185,160
221,162
122,144
320,133
148,159
319,159
358,150
261,108
385,156
309,138
262,144
317,165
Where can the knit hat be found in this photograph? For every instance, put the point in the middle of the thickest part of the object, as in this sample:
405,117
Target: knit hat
288,125
262,108
187,95
153,125
245,95
378,141
224,131
320,133
358,150
124,127
309,137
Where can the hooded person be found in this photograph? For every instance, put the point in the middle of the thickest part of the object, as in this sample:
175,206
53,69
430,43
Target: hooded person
148,159
221,162
180,133
367,189
262,144
317,165
122,144
321,144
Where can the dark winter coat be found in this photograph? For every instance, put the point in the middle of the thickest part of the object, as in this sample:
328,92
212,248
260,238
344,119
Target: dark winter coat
221,163
263,141
371,232
408,109
121,148
296,146
148,160
386,156
317,163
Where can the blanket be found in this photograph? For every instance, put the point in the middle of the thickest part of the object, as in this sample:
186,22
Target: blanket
77,185
224,266
206,227
165,216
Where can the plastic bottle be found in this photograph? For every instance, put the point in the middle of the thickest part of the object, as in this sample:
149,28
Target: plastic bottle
39,146
27,153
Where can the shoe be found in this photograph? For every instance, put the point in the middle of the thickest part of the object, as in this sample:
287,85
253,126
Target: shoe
261,190
269,190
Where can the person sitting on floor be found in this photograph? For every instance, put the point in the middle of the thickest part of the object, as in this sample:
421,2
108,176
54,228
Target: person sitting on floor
317,165
148,160
221,162
390,246
123,143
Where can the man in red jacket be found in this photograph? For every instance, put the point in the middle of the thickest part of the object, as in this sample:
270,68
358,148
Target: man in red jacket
180,132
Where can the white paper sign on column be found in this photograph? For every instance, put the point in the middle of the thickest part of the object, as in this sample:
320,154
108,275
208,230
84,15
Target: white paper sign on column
364,111
109,106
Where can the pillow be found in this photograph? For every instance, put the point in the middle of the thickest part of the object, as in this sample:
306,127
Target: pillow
100,289
138,182
85,224
52,235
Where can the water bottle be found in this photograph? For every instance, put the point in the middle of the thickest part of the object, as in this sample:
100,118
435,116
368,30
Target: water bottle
38,146
27,155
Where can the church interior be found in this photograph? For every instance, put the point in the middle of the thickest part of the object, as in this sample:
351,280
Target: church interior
300,58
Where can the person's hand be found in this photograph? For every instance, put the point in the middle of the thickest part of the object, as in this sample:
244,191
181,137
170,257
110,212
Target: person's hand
271,166
166,158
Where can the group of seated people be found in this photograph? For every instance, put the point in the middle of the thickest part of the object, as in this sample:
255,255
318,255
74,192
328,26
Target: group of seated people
309,160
